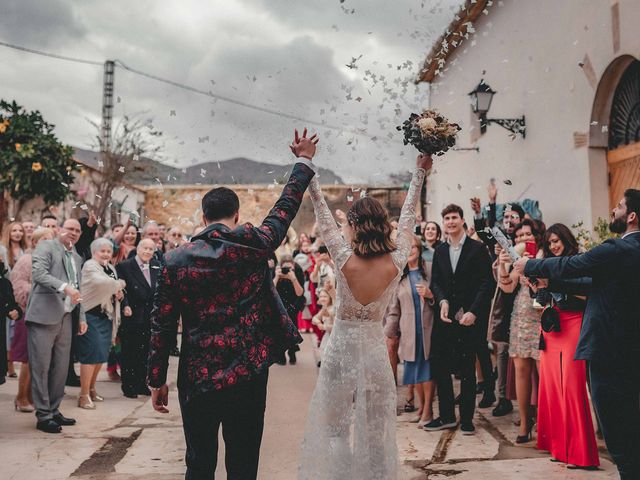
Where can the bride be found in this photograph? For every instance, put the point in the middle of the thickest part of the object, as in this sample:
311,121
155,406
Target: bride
351,425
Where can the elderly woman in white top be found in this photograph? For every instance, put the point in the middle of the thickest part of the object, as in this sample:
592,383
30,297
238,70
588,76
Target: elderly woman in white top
101,295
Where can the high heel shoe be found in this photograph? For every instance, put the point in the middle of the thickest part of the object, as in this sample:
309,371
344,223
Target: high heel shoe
526,437
84,401
23,408
95,397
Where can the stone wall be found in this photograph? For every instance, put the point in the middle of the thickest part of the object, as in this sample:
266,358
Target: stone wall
180,205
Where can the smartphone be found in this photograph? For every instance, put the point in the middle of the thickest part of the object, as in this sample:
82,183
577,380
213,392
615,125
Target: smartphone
417,230
286,270
487,238
531,249
323,249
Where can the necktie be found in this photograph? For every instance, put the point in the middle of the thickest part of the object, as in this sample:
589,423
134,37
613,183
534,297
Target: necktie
146,273
68,264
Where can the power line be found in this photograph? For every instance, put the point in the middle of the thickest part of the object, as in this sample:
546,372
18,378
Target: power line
223,98
52,55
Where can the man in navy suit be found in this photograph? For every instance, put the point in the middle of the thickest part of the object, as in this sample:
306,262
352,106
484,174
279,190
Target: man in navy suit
610,335
141,274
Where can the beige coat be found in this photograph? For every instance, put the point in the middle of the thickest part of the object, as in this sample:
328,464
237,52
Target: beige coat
400,322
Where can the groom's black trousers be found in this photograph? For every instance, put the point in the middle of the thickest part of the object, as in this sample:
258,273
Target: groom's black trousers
240,410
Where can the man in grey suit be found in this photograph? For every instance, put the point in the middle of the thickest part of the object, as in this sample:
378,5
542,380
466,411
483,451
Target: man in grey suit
53,300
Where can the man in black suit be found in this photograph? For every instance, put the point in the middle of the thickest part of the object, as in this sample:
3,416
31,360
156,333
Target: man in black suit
140,273
610,334
462,284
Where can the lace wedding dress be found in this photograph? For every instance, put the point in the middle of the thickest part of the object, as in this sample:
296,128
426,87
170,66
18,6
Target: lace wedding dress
351,424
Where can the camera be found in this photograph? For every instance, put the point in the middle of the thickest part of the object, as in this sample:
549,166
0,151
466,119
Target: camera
286,270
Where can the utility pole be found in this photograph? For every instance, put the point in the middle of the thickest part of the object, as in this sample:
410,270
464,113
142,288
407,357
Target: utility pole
107,105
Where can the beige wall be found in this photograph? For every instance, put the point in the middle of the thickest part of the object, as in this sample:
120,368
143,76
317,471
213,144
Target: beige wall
531,52
180,205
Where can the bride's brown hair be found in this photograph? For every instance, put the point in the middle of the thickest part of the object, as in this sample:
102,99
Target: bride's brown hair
371,228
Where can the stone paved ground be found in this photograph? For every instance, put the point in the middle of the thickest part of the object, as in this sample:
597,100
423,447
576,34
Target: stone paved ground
125,439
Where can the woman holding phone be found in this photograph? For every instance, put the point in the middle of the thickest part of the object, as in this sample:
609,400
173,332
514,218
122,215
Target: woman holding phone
524,336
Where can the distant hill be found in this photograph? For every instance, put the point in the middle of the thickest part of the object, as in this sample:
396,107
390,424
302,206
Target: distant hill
228,172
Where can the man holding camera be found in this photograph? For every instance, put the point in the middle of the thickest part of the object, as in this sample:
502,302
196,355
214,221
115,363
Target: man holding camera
289,281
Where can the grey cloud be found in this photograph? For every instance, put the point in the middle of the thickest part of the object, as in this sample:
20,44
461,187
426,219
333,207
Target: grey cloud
37,23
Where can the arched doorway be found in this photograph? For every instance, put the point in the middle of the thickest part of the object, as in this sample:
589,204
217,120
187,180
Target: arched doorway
611,149
623,155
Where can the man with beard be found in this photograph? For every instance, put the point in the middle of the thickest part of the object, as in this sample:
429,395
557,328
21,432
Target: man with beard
610,335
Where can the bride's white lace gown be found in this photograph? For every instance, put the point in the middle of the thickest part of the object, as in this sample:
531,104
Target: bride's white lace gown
351,424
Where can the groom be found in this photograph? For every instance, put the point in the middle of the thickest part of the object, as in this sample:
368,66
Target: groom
234,325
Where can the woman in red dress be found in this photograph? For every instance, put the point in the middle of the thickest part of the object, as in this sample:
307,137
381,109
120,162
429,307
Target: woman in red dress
565,426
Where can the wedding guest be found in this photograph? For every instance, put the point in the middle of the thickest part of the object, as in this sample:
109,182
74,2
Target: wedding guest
524,336
50,221
15,242
89,226
432,238
462,284
21,281
289,281
140,274
324,319
9,309
175,238
29,227
307,263
565,426
54,299
609,337
124,242
410,318
102,292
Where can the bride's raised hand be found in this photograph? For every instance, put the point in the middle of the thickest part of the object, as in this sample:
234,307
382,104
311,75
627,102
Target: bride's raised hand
424,161
302,146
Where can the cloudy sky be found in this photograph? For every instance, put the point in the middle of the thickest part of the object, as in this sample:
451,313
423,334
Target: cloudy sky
289,56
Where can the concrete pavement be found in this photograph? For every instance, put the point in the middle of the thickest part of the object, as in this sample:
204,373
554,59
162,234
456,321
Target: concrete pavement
125,439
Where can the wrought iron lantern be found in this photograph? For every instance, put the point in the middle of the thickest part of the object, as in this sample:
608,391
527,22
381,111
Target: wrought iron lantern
481,98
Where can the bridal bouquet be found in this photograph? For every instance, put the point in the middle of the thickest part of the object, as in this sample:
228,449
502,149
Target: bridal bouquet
429,132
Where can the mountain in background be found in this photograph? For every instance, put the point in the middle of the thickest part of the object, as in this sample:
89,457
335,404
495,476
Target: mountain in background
240,171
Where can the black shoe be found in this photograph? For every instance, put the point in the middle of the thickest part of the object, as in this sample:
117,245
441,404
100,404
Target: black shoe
48,426
130,394
63,421
72,381
503,408
439,424
174,352
144,391
468,429
487,400
292,358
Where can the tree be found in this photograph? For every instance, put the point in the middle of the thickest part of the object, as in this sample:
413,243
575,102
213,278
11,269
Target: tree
32,160
131,139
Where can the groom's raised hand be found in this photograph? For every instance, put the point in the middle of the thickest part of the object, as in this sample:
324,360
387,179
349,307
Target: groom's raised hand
160,399
302,146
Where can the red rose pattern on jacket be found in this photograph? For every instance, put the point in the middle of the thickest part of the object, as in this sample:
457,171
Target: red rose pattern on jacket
234,324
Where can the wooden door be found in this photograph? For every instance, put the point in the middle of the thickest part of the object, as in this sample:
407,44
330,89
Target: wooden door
624,171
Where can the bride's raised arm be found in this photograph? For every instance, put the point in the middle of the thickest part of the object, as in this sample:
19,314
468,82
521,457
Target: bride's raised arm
408,216
327,226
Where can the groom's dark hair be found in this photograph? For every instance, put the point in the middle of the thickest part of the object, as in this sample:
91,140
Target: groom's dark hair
220,203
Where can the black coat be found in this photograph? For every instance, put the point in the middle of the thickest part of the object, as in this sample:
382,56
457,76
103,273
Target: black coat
471,288
611,323
7,304
138,292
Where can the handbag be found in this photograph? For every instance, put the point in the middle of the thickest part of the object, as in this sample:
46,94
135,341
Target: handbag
550,319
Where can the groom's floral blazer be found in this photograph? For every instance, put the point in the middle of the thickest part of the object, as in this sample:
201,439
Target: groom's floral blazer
234,325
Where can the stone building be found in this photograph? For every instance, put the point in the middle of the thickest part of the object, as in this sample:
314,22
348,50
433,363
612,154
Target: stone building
572,69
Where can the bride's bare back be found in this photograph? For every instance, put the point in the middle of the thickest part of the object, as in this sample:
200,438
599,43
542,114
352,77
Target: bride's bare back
368,278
